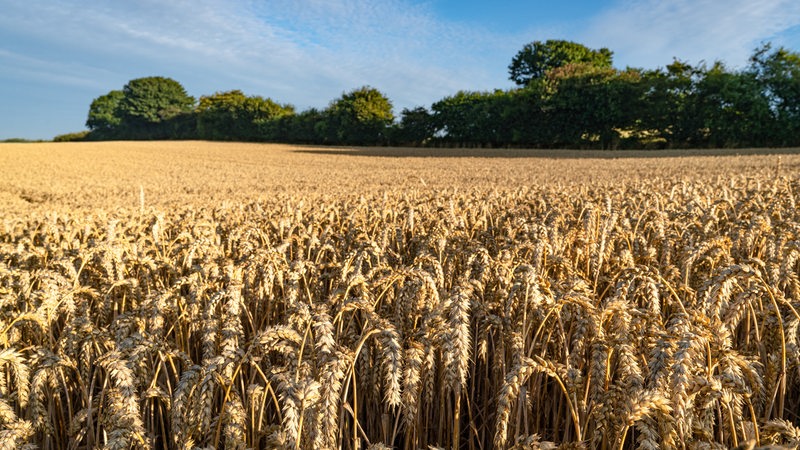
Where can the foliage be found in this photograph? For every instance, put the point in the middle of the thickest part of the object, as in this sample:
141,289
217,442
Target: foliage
569,96
592,106
415,127
232,116
155,108
19,140
778,73
305,127
104,117
153,100
72,137
669,112
145,108
735,109
537,58
359,117
472,118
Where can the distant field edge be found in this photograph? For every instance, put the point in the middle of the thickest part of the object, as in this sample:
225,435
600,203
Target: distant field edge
431,152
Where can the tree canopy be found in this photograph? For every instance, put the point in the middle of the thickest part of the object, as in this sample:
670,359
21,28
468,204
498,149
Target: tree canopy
778,71
145,108
153,100
103,116
537,58
232,115
569,96
359,117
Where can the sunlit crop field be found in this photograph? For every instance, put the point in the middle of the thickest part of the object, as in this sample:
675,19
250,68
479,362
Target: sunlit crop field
190,294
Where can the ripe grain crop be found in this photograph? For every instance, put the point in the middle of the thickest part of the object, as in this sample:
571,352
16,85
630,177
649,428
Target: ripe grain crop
198,295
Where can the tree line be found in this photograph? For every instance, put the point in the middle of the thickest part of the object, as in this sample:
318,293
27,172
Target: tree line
567,96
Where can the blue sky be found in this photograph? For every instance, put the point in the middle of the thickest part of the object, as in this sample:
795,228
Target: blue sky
58,55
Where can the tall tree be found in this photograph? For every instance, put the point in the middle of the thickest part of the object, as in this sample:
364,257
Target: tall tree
103,117
670,109
537,58
473,118
305,127
152,100
778,72
528,117
734,109
415,128
234,116
360,116
592,106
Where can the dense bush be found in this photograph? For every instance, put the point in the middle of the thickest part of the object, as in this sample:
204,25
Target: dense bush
71,137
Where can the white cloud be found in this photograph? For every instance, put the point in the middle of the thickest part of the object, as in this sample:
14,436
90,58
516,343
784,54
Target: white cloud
308,52
649,33
305,52
17,66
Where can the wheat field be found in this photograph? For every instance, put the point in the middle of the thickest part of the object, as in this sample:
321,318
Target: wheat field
206,295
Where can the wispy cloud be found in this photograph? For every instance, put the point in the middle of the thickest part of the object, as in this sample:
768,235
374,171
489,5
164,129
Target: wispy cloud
304,51
649,33
23,67
307,52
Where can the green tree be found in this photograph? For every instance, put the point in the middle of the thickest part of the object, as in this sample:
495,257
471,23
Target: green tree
537,58
671,113
474,119
527,116
778,73
149,104
591,106
359,117
103,117
304,127
234,116
734,109
415,128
